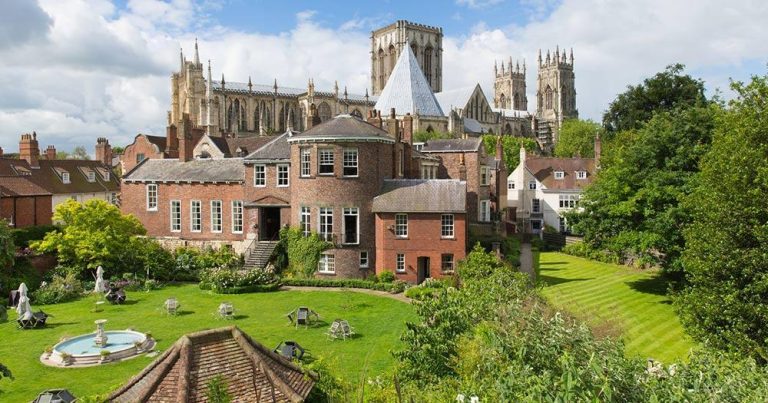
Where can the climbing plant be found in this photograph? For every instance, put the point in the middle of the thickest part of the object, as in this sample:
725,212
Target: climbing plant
301,253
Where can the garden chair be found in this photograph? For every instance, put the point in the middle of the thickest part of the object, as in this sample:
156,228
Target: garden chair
290,350
346,329
335,331
115,295
172,306
226,310
37,319
302,317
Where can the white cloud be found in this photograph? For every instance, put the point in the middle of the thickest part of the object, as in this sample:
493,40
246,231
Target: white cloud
83,69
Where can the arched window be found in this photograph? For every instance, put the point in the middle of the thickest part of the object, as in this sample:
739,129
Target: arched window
302,117
267,118
256,118
281,120
502,102
243,121
428,63
415,49
548,98
430,129
507,129
392,59
564,99
356,113
516,102
382,69
324,111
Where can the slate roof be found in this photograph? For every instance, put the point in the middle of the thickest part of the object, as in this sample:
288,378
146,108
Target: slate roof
201,171
48,175
276,149
252,372
421,196
544,170
343,128
452,145
472,126
20,186
407,90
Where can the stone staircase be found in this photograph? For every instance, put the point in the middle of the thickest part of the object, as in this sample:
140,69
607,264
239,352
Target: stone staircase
258,256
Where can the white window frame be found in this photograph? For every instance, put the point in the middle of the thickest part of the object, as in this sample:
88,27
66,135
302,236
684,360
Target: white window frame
106,175
305,220
349,164
237,216
484,211
325,229
195,218
400,263
365,260
327,263
152,196
65,177
532,185
559,175
442,263
321,162
306,162
351,211
175,220
569,201
91,176
217,215
485,176
511,185
113,198
259,175
535,205
287,171
401,228
581,175
447,229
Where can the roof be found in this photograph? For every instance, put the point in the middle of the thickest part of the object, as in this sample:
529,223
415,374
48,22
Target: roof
20,186
277,149
407,90
251,372
512,113
158,141
455,98
343,128
48,175
202,171
472,126
421,196
544,170
452,145
246,144
269,89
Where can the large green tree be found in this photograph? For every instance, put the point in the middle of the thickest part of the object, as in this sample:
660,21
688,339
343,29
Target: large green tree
510,148
93,234
577,138
633,209
726,302
667,90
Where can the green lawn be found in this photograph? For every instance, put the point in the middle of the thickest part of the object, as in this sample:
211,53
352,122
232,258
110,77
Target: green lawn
616,299
378,321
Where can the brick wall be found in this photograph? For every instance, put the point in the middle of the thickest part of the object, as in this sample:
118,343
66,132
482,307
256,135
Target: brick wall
26,211
140,146
450,169
158,222
424,239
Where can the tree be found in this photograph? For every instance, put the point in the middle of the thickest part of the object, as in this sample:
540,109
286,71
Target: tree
62,155
423,137
577,138
93,234
79,153
7,247
116,150
510,148
633,208
667,90
724,304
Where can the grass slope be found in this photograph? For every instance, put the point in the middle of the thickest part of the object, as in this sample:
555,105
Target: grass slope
378,322
616,298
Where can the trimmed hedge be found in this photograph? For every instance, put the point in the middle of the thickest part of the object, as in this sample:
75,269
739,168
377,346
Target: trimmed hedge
394,287
245,289
22,236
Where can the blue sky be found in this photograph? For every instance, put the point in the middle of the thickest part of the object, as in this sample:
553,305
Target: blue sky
75,70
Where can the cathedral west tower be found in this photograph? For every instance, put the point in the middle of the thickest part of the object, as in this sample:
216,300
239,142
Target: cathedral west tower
387,43
509,87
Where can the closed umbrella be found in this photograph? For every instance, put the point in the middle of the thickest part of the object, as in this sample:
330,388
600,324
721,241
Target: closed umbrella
24,310
101,285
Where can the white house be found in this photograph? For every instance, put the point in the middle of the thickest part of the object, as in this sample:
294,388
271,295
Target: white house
541,189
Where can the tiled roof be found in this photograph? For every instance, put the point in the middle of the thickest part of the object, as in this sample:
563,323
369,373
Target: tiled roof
343,128
421,196
251,372
48,175
202,170
544,171
20,186
407,90
452,145
246,144
277,149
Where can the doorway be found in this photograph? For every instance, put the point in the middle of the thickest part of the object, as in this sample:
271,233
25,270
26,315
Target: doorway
422,269
270,223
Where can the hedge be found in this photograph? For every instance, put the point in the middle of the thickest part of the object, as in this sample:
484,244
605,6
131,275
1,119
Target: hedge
393,287
22,236
245,289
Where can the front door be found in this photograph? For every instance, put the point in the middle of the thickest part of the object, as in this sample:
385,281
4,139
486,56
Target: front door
270,223
422,269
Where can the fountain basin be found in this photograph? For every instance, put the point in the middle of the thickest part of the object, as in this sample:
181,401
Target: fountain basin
83,351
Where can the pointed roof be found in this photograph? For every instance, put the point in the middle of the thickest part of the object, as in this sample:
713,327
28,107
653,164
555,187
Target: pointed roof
251,371
342,128
407,90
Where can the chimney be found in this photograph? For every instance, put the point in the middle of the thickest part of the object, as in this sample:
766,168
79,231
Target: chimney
171,141
374,118
392,126
29,150
462,168
598,149
522,155
408,129
184,139
50,153
103,151
499,149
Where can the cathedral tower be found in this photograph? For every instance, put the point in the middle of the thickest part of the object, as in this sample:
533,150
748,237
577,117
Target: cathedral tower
509,86
387,44
188,91
555,88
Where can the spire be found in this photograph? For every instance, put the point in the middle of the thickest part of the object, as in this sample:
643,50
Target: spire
223,83
346,100
523,66
571,56
517,67
250,85
208,87
336,88
197,55
366,95
495,68
275,86
209,104
539,57
181,60
510,64
548,59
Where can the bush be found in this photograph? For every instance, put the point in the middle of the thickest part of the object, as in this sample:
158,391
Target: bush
22,236
222,280
386,276
60,289
582,249
394,287
21,272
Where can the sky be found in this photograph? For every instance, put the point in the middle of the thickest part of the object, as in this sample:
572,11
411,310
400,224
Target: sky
75,70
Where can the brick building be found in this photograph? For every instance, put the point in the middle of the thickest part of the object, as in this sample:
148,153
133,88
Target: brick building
23,203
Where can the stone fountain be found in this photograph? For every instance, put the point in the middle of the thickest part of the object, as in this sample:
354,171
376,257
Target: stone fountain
101,337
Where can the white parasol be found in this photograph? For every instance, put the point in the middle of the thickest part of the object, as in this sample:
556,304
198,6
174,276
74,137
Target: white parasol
101,285
24,310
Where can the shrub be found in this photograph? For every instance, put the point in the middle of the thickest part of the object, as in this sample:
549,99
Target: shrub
60,289
23,236
302,252
582,249
222,279
386,276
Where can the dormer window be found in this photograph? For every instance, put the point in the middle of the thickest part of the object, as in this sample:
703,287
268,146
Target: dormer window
106,176
91,176
532,185
581,174
65,177
559,174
